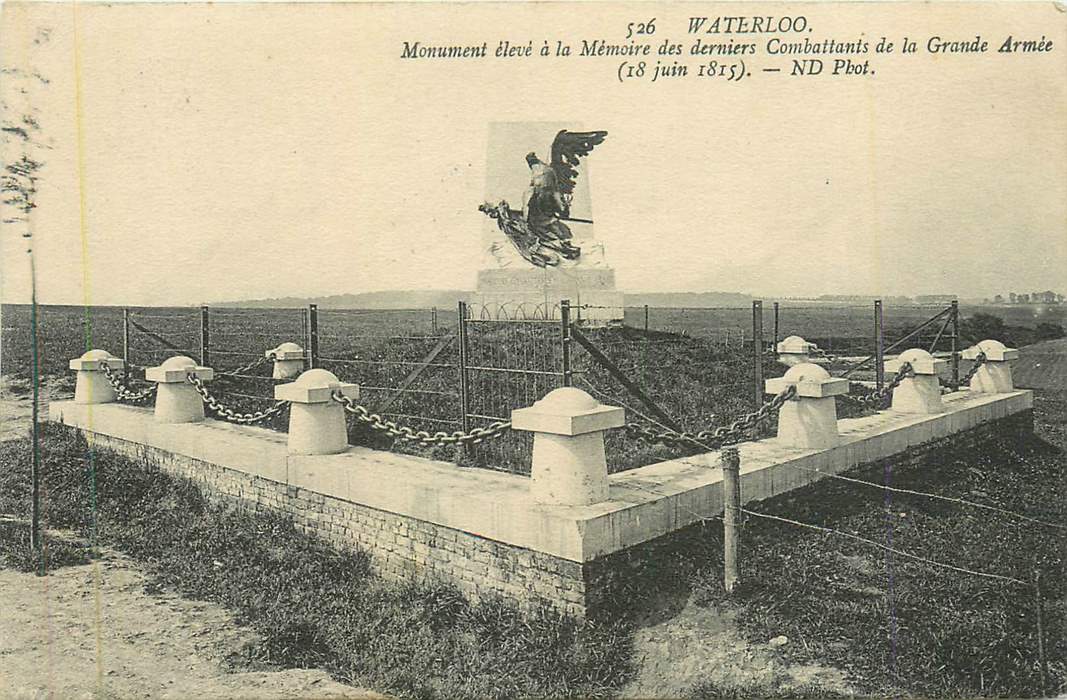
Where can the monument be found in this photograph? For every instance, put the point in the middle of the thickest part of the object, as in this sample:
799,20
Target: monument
538,241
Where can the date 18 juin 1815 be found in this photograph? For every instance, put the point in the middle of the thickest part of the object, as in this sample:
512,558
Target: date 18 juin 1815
660,71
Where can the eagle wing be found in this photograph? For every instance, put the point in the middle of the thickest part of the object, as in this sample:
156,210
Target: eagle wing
567,148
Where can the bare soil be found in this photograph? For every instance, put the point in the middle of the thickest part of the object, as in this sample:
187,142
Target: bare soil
92,631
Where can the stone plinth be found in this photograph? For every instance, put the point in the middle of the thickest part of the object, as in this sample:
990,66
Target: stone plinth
535,293
994,376
176,398
809,418
920,392
569,467
92,385
316,422
288,361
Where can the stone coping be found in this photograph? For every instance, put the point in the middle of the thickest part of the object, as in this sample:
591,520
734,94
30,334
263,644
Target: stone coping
644,503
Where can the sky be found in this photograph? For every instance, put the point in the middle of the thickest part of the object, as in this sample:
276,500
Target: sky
204,153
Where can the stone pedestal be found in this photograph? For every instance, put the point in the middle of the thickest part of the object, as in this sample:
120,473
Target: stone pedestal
921,392
91,384
316,422
288,361
569,467
994,376
809,419
533,293
176,399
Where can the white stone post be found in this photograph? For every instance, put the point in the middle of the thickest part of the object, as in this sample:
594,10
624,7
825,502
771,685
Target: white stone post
316,422
569,467
92,385
920,392
809,418
994,376
288,360
176,399
794,350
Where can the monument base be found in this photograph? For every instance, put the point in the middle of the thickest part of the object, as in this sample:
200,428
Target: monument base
536,293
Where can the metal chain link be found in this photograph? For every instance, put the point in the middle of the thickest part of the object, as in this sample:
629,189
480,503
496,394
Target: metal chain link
422,437
229,414
713,438
122,392
245,369
878,397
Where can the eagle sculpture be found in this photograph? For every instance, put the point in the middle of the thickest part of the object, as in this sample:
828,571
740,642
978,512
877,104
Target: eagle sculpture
538,231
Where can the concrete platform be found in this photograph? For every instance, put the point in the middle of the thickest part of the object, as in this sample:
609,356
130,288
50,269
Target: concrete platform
644,503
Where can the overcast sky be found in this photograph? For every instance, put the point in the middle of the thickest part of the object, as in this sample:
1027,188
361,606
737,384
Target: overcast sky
233,151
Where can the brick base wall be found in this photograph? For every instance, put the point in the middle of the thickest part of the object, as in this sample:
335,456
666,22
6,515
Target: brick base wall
403,548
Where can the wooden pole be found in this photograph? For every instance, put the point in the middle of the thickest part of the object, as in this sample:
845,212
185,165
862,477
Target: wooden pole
955,345
313,336
776,336
731,520
433,320
646,320
879,346
205,336
464,379
565,340
757,351
126,338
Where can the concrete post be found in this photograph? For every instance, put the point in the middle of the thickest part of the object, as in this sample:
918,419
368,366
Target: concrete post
316,422
794,350
569,467
921,392
92,385
288,360
809,419
176,399
994,376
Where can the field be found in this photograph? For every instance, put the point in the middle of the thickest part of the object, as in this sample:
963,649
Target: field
697,365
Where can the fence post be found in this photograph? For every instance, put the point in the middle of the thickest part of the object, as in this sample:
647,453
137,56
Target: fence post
757,350
205,337
433,320
646,320
879,346
313,336
776,336
731,517
126,337
955,345
565,340
464,396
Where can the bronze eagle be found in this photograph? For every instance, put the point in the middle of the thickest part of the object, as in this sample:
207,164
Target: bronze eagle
538,231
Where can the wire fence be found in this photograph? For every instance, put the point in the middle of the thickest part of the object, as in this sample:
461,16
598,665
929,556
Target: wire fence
691,369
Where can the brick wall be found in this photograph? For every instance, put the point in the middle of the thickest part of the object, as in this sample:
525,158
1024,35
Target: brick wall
400,548
403,548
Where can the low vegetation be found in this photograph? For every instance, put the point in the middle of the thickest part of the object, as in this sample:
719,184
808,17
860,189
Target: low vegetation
311,605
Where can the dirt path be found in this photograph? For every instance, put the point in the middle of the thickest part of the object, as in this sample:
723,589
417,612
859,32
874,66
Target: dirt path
92,631
685,645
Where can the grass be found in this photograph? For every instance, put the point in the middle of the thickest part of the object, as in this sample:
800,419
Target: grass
16,552
895,626
310,605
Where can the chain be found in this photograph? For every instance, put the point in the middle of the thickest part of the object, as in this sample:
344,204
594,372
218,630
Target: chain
422,437
721,436
878,397
122,392
228,413
245,369
979,360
